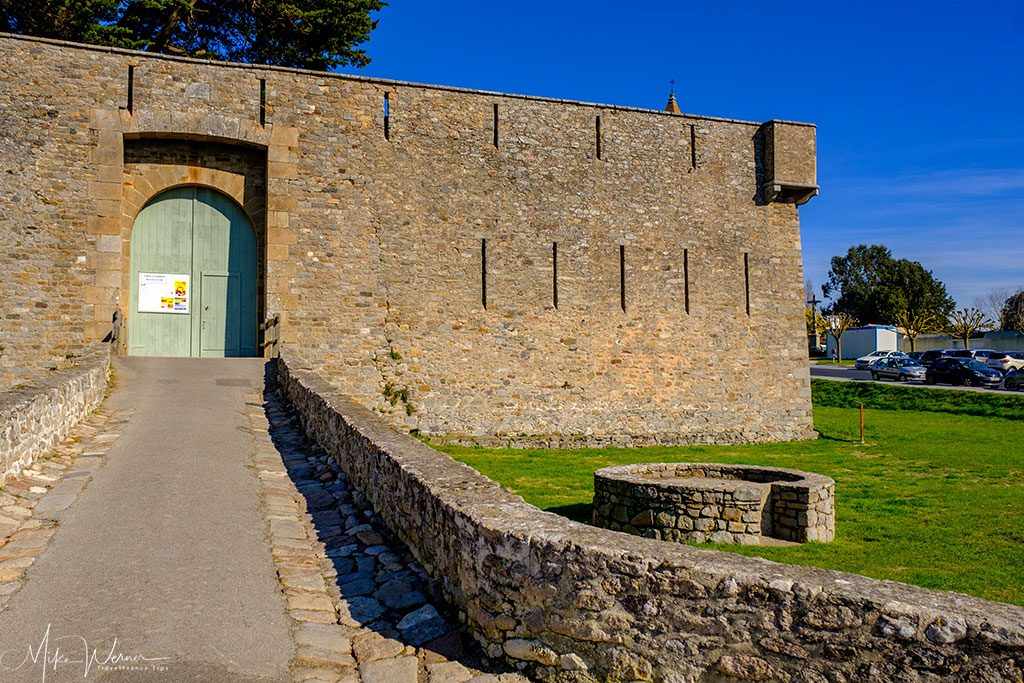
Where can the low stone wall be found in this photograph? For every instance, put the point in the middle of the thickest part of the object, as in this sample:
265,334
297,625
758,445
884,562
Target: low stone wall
572,602
36,417
698,502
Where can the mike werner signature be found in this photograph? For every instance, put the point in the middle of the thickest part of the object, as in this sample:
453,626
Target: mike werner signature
74,652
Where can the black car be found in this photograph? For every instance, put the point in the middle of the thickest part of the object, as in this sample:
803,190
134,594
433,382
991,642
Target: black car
1014,380
962,372
929,357
980,355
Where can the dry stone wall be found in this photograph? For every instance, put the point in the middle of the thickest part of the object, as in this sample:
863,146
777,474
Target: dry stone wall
570,602
676,315
698,502
38,415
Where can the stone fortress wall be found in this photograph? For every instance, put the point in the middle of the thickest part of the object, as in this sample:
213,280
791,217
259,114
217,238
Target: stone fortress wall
414,255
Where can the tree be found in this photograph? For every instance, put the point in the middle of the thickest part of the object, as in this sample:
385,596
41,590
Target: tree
915,323
837,325
1011,315
311,34
86,21
991,302
962,324
872,286
808,289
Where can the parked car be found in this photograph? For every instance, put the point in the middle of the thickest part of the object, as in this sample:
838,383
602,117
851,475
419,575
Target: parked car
915,355
1004,362
864,361
1014,380
980,355
929,357
962,372
897,369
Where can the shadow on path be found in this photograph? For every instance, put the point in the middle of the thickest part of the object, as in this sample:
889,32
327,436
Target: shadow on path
376,583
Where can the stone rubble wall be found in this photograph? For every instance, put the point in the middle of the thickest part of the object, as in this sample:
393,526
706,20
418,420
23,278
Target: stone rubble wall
720,512
802,513
571,602
37,416
698,502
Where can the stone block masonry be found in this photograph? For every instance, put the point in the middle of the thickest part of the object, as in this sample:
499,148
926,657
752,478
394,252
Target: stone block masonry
679,312
571,602
37,416
698,502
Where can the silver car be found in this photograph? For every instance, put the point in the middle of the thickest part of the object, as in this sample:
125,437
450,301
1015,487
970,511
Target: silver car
897,369
864,362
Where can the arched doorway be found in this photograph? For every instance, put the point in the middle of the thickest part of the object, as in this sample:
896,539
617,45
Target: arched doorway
193,260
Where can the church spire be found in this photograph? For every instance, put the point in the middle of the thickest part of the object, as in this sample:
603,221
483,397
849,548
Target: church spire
672,105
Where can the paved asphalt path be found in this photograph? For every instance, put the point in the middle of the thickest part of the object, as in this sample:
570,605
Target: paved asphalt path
165,550
854,375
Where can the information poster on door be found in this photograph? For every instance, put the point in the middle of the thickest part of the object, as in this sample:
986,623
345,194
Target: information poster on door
163,293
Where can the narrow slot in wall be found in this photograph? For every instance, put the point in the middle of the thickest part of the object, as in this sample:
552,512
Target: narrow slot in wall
686,279
622,277
131,89
483,272
263,102
693,146
495,125
554,273
387,116
597,131
746,279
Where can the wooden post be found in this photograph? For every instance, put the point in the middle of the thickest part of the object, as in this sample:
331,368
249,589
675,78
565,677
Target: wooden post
861,422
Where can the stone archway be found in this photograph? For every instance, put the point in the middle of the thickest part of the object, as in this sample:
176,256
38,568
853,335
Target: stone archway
135,163
193,277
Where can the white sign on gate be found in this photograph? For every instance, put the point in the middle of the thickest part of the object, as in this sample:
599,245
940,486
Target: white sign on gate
163,293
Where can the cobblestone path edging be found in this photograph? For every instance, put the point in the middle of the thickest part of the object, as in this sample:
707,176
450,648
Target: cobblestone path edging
29,501
360,605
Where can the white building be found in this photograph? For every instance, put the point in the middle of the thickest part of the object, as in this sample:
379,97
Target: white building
860,341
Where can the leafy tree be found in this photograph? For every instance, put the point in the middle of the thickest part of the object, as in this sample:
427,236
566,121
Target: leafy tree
915,323
311,34
1011,317
962,324
837,325
872,286
86,21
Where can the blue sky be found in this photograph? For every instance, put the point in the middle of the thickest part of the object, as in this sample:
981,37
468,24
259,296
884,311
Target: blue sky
919,105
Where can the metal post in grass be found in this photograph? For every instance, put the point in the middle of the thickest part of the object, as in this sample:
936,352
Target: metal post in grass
861,421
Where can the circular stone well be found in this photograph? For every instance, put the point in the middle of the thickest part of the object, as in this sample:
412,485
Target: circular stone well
700,502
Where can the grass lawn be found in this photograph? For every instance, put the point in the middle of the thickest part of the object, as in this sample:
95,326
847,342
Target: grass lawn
934,499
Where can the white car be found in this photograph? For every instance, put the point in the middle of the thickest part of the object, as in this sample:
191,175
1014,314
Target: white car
1004,362
864,361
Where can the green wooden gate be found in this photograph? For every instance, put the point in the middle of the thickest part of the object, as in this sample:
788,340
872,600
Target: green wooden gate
193,256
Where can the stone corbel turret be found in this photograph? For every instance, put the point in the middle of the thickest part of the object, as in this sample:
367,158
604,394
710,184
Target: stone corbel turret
790,175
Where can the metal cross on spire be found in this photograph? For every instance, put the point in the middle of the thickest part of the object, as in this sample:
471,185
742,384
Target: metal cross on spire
672,105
